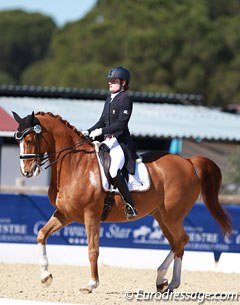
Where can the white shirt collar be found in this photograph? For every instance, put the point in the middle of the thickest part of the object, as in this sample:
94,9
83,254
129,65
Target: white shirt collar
113,95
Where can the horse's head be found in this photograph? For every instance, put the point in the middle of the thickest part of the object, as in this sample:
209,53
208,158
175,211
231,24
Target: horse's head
28,137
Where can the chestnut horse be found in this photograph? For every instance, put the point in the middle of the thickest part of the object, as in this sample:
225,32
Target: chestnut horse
77,194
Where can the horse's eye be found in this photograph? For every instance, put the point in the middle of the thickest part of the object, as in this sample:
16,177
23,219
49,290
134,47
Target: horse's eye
29,142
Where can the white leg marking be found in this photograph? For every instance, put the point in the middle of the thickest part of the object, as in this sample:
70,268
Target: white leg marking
163,268
92,284
176,279
43,261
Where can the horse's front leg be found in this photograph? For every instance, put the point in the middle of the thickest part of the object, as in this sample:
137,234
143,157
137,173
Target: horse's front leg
92,225
55,223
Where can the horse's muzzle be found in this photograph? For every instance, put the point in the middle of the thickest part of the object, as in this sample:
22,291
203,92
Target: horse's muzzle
34,171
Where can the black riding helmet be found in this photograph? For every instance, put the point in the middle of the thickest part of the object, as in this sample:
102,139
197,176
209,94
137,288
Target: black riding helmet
119,72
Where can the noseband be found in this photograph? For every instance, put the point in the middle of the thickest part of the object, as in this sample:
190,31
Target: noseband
19,136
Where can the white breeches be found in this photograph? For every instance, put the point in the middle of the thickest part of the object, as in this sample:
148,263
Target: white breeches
116,154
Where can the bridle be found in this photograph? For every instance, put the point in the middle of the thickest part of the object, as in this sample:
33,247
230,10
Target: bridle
19,136
41,158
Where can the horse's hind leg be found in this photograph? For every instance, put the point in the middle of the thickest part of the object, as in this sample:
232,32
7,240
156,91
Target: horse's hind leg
162,282
55,223
176,278
180,239
177,238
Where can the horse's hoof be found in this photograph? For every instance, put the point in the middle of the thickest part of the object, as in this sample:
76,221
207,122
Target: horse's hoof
47,281
86,290
163,286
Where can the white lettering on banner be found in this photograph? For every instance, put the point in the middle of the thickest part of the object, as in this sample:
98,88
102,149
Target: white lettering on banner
5,220
149,235
75,234
77,241
203,237
207,247
116,231
17,238
74,231
13,229
193,229
39,224
78,231
234,238
141,232
227,240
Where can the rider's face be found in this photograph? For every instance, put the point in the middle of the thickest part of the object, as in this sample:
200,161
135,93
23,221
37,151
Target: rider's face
114,85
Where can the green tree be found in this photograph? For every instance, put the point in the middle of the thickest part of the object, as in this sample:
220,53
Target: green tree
24,39
183,46
6,78
231,177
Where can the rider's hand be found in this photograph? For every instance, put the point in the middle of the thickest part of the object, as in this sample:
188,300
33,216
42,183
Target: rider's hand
95,133
85,133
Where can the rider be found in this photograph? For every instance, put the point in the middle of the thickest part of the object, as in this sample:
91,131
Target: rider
113,125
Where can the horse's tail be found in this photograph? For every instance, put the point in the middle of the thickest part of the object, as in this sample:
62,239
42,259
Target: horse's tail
211,179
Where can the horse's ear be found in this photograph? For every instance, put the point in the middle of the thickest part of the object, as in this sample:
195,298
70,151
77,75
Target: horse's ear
16,117
32,117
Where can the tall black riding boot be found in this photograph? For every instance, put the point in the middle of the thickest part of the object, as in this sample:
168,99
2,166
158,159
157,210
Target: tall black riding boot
122,186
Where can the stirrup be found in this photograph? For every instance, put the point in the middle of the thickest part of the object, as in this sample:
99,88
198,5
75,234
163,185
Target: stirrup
130,211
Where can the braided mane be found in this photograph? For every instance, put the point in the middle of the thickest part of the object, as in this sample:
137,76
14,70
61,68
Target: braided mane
65,122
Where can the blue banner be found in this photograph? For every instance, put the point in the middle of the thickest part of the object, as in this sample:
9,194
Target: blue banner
21,217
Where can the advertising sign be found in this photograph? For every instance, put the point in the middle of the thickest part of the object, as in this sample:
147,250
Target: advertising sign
21,217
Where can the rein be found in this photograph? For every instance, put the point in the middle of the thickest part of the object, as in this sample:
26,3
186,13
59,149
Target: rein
72,148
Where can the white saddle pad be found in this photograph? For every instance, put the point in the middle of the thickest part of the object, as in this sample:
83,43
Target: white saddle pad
140,181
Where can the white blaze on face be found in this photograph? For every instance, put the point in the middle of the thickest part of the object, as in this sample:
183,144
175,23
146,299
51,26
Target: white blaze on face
21,153
35,168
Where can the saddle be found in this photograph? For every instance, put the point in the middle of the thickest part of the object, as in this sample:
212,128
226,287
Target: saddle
138,182
105,159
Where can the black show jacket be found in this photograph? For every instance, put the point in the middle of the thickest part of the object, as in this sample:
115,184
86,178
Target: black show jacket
114,121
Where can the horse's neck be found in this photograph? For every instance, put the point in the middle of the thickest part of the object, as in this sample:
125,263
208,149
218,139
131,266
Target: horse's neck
64,138
60,136
61,139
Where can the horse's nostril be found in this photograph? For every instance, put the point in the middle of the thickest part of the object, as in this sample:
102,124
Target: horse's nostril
28,175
